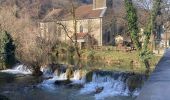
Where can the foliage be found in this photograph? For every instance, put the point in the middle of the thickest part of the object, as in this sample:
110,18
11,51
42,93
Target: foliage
7,49
132,23
144,53
71,50
91,55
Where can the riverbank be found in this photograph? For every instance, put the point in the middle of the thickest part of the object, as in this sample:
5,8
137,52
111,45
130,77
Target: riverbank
115,60
107,60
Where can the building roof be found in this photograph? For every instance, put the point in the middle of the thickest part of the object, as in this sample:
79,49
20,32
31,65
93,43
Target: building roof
81,35
86,11
82,12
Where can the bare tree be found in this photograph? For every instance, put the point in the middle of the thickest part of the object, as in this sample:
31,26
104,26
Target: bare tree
71,9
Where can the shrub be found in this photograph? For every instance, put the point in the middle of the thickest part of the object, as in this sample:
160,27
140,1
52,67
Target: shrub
7,50
71,51
91,55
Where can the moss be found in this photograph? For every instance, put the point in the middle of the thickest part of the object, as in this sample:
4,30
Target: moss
135,81
89,76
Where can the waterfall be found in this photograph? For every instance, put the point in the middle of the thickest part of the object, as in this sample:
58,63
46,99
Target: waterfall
110,86
19,69
78,77
47,71
102,84
106,84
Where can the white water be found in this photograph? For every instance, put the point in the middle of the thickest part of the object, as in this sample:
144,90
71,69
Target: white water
110,86
18,69
49,83
47,72
78,78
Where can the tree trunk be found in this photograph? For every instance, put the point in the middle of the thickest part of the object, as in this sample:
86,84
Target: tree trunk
147,65
75,31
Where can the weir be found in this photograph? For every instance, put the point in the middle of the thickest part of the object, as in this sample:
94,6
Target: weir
158,85
98,84
102,84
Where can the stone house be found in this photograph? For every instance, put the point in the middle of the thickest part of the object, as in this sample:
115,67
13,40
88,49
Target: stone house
95,20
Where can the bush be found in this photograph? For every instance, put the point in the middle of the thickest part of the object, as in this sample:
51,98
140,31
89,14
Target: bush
7,50
91,55
71,50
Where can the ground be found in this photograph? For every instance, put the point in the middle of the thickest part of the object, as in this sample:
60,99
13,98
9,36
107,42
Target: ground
115,60
157,87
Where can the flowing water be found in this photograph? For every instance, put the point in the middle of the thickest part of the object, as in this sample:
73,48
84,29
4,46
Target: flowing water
19,69
18,84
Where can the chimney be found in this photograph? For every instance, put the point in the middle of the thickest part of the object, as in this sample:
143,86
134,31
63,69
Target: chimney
100,4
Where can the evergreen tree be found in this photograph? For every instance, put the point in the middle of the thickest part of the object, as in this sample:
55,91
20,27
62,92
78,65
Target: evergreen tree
7,50
144,53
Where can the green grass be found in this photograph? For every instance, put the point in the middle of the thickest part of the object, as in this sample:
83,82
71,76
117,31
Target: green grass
108,60
124,57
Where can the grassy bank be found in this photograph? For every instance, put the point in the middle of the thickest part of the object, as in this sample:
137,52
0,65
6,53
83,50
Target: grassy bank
118,60
110,59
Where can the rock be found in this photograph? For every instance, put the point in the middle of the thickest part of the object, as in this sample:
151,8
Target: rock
62,82
37,73
89,76
135,82
75,86
99,90
69,73
3,97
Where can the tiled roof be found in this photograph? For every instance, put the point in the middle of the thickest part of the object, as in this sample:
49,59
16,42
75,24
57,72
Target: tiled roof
86,11
82,12
81,35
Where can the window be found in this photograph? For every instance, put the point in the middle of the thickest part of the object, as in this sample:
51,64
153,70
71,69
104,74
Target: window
108,36
81,28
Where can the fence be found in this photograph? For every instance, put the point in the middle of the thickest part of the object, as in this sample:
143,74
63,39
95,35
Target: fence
111,48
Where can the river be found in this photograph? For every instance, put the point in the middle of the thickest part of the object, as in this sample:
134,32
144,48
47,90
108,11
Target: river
18,84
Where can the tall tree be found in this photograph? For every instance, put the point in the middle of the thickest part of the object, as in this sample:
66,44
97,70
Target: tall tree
143,51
